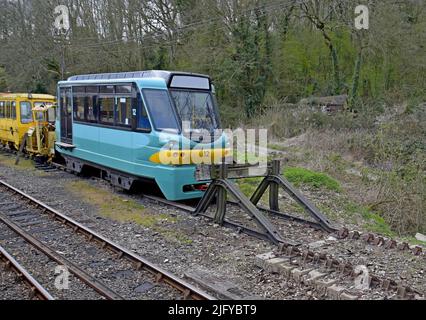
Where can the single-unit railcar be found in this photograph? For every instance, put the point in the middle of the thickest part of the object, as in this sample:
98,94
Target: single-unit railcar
138,126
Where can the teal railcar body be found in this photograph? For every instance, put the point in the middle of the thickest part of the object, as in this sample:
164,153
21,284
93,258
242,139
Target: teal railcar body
112,121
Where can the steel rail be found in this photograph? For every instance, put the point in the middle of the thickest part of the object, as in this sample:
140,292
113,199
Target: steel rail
188,290
91,281
37,290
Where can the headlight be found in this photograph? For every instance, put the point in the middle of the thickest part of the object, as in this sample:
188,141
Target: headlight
172,145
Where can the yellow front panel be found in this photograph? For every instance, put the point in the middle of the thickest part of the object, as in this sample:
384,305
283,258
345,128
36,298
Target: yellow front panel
182,157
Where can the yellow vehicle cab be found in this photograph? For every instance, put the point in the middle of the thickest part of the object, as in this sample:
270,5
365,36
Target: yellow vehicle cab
17,116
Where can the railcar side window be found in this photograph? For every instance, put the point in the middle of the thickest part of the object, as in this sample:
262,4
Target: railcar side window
78,103
2,104
106,108
51,115
26,112
161,109
84,100
143,120
124,89
92,110
123,111
91,107
119,105
106,89
7,114
13,111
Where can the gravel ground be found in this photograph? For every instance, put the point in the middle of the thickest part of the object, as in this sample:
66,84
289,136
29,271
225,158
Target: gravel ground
225,253
11,288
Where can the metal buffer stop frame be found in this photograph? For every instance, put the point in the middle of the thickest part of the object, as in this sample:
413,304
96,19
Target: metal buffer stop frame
222,184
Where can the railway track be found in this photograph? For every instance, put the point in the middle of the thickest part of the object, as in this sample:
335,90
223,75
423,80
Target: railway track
55,236
37,291
318,268
332,274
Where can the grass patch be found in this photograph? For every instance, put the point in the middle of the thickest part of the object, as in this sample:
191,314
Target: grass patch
24,164
248,186
377,224
278,147
373,221
173,236
414,241
118,208
299,176
124,210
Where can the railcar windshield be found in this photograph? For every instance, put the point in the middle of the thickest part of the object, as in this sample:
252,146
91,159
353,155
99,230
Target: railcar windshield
50,115
196,108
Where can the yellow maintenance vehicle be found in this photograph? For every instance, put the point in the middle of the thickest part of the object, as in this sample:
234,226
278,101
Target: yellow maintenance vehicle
27,123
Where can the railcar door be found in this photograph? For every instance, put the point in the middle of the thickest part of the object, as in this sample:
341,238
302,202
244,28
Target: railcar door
66,115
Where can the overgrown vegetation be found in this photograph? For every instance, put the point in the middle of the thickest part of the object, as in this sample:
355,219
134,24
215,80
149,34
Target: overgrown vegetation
115,207
23,165
122,209
381,160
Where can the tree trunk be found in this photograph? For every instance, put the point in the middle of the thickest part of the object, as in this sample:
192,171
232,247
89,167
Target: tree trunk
355,81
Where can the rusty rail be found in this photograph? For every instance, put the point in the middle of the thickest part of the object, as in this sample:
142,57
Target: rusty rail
140,263
91,281
37,290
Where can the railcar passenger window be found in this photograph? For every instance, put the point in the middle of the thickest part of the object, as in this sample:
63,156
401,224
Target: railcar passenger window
92,111
78,103
7,115
26,112
51,115
90,106
13,111
124,111
106,89
126,89
143,120
106,108
2,109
